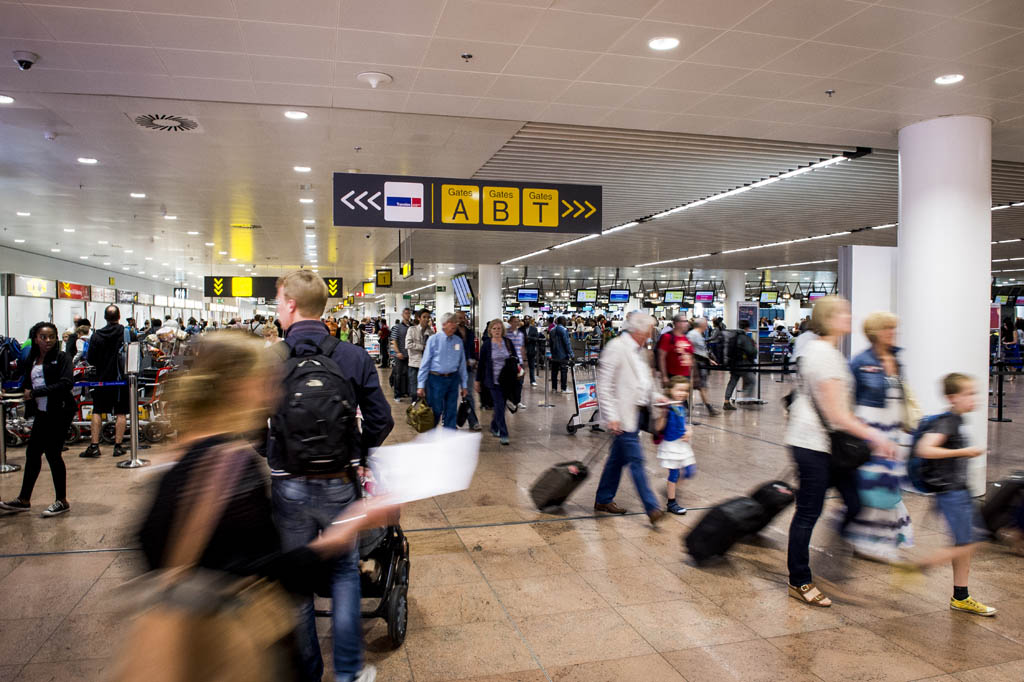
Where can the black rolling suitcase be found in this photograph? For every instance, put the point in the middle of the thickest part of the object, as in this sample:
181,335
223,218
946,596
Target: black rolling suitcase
722,526
774,496
554,486
1002,501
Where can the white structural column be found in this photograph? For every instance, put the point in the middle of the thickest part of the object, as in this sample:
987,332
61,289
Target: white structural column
735,291
444,301
867,278
489,283
393,303
945,253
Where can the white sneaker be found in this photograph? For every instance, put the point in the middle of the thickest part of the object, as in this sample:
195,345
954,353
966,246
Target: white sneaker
367,674
567,390
522,406
533,383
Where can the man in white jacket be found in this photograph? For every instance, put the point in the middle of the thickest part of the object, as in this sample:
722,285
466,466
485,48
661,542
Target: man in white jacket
624,383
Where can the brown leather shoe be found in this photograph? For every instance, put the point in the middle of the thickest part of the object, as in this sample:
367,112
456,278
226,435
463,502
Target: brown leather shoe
655,515
611,508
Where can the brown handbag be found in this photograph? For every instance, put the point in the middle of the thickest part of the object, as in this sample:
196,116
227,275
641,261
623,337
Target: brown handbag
200,625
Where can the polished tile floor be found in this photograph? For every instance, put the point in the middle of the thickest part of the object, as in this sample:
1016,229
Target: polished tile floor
502,592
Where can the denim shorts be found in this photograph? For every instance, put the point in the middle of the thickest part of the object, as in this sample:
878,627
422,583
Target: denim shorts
962,515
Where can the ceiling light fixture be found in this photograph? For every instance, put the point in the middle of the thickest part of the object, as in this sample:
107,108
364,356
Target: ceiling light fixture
129,251
302,169
69,229
6,99
83,257
193,232
296,115
138,195
223,253
949,79
87,160
305,200
19,241
103,241
793,265
23,214
170,217
426,286
106,262
54,250
665,43
309,221
208,244
529,255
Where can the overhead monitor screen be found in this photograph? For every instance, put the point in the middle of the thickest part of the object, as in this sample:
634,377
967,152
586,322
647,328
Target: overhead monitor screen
1020,300
586,295
1002,300
815,295
704,297
769,297
618,296
527,295
463,292
673,297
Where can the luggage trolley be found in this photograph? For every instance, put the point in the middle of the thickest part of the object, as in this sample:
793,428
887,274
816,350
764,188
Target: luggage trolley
587,406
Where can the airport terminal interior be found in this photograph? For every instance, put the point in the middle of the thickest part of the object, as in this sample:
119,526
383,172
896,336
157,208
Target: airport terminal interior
654,186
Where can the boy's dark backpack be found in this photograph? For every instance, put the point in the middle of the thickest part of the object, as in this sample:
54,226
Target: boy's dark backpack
918,468
315,425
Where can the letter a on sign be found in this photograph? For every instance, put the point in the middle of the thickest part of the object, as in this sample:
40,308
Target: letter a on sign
460,204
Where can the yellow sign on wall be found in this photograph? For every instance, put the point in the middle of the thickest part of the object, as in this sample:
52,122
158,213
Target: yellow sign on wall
540,207
369,288
501,205
460,204
241,286
384,278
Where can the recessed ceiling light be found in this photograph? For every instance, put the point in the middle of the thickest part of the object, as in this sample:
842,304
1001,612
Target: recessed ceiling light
141,272
129,251
55,250
6,99
305,200
223,253
170,217
88,161
209,244
309,221
296,115
106,262
166,264
23,214
192,232
103,241
138,195
149,258
124,267
19,241
232,259
302,169
69,229
663,43
84,257
949,79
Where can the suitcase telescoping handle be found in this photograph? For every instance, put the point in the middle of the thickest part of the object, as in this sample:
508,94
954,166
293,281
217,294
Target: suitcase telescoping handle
597,452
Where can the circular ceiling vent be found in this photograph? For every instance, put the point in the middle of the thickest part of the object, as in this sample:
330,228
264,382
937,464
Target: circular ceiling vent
166,123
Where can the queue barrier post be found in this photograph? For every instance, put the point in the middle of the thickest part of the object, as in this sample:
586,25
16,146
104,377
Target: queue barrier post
5,468
542,353
1000,372
133,364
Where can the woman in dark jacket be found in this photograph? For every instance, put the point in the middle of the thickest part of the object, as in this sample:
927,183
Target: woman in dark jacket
47,381
495,350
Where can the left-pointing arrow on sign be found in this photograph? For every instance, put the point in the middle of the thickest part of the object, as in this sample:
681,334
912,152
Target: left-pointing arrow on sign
371,202
358,202
345,198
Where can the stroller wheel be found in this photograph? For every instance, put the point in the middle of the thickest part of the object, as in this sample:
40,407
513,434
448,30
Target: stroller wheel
13,439
154,432
398,614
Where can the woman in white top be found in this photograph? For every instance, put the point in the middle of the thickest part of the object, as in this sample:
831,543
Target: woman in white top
825,374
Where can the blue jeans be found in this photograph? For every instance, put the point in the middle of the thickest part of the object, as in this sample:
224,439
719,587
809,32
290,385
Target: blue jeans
414,378
962,516
470,380
498,420
443,398
816,477
302,508
626,450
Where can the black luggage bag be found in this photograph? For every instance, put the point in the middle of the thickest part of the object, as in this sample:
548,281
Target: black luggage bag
1002,501
774,496
722,526
554,486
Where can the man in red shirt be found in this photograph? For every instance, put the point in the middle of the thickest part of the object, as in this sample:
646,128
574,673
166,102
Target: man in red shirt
675,352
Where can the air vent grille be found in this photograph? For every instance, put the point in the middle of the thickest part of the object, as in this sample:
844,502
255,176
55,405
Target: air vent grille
167,123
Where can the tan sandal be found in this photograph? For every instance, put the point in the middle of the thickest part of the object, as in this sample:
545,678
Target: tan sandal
809,594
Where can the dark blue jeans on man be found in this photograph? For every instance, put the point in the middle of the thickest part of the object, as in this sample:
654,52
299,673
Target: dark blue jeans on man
443,398
816,477
626,451
303,507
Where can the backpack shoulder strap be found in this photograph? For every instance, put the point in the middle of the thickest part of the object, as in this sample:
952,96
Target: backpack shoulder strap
327,345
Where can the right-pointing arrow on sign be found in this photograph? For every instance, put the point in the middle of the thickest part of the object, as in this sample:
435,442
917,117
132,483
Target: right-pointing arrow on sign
568,208
581,209
592,209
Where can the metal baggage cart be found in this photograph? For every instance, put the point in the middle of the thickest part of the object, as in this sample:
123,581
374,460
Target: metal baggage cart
586,401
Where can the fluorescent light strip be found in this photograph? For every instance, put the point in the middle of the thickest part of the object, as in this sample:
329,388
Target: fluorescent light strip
425,286
793,265
575,241
529,255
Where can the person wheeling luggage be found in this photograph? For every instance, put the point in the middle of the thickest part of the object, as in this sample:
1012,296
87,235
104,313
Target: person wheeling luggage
674,451
107,353
47,379
822,408
312,450
624,383
939,465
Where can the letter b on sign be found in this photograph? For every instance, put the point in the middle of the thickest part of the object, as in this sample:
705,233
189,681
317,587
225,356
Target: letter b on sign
501,205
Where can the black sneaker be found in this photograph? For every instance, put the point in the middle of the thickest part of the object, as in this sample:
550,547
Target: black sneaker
92,451
711,409
676,509
14,505
728,406
119,450
57,508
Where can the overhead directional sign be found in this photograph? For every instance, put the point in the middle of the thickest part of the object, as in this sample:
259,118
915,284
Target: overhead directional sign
255,287
449,204
334,287
384,278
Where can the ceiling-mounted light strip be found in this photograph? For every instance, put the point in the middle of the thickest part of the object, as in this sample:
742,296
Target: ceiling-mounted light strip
793,265
425,286
575,241
674,260
529,255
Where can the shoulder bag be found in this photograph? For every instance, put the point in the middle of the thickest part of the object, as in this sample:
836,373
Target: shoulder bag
201,625
848,452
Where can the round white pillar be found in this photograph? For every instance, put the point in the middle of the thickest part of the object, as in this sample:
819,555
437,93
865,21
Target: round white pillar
444,301
945,256
735,291
489,283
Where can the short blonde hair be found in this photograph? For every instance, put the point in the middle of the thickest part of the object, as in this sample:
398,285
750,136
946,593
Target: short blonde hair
824,310
307,289
269,330
496,321
877,322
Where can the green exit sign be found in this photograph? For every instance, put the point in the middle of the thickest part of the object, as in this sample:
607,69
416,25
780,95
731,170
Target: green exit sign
441,289
407,297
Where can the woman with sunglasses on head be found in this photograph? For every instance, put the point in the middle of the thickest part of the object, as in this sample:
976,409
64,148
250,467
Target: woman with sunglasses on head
47,381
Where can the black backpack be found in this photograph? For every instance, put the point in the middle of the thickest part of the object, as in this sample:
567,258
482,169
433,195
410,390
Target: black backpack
315,425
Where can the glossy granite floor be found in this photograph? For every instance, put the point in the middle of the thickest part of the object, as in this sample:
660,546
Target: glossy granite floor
501,592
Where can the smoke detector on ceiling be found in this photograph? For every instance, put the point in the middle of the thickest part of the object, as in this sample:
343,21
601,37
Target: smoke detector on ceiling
374,78
167,123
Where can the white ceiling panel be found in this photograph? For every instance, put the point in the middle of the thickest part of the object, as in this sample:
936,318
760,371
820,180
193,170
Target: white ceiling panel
954,38
598,94
286,40
819,59
117,58
224,9
312,12
453,82
446,53
526,88
291,71
717,13
577,31
879,28
633,8
1008,12
799,18
381,48
744,50
392,16
625,70
191,33
691,38
484,21
549,62
768,84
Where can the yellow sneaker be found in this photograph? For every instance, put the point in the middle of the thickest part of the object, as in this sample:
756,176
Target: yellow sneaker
971,605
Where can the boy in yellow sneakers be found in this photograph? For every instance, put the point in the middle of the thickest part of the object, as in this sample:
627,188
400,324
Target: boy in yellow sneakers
939,465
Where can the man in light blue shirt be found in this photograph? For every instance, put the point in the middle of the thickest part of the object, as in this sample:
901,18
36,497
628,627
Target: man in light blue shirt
443,375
